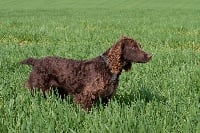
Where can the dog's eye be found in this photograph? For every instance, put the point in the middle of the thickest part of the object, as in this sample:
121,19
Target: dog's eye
135,46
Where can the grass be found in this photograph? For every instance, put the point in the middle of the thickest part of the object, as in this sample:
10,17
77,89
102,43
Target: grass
160,96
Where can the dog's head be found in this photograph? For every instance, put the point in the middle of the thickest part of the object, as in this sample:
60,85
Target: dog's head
124,52
132,52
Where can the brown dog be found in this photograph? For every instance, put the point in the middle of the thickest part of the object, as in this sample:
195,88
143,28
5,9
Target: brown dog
86,80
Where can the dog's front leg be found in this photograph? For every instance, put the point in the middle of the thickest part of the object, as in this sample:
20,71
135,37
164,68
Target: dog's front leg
86,100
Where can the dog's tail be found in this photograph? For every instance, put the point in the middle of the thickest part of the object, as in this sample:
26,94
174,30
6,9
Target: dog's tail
29,61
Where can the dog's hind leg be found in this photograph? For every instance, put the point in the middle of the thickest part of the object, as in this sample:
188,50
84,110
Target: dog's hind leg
39,81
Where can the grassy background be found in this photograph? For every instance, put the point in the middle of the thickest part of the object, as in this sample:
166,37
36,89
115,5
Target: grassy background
160,96
112,4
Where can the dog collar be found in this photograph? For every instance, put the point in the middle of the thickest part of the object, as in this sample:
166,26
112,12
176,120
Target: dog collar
114,76
104,59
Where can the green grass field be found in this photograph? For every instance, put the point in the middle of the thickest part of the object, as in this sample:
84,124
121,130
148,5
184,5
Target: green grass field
160,96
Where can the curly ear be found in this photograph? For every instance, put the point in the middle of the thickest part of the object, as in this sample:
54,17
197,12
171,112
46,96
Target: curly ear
114,57
127,66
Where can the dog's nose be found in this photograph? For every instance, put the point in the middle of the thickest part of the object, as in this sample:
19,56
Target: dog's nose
149,56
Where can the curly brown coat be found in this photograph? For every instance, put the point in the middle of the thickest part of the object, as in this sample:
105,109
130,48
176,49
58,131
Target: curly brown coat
86,80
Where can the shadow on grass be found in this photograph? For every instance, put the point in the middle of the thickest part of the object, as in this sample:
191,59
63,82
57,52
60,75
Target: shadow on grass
142,94
3,127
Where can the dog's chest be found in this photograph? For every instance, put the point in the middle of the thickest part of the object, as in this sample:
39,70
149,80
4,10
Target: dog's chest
110,87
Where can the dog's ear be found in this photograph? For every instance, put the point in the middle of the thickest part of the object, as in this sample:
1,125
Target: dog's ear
114,57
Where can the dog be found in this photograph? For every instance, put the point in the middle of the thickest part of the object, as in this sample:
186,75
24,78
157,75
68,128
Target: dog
86,80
